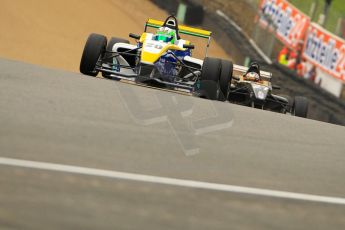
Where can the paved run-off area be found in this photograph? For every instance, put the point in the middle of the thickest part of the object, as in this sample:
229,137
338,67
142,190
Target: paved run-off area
70,120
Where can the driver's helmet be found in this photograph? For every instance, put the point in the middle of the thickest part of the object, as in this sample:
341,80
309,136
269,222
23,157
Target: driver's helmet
254,67
165,34
252,76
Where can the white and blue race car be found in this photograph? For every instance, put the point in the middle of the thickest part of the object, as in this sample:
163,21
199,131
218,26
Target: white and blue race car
161,59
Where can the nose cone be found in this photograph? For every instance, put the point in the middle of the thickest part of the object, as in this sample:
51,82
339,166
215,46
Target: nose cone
152,51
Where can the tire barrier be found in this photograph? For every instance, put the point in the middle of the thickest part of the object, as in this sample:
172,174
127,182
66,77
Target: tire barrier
191,13
168,5
194,14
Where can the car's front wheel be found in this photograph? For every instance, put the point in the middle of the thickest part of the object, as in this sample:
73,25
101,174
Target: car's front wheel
94,50
300,106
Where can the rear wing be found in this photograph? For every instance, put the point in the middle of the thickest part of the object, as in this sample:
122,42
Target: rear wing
241,70
181,29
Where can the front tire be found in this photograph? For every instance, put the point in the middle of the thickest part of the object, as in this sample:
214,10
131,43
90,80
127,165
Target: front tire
301,106
94,49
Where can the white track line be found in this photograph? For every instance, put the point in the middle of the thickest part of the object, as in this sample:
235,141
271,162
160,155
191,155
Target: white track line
170,181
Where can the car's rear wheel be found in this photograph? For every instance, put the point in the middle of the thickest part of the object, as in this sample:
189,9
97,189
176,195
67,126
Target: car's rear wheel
208,90
210,72
300,107
94,50
107,56
225,77
211,68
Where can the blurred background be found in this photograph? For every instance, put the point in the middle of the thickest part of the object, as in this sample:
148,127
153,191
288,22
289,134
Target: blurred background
300,42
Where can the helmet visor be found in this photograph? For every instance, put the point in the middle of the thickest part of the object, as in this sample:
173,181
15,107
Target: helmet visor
163,38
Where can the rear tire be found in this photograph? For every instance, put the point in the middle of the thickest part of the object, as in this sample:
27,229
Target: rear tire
93,50
210,72
225,77
109,48
211,69
301,106
208,90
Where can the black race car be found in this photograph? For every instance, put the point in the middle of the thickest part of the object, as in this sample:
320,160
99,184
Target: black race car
252,87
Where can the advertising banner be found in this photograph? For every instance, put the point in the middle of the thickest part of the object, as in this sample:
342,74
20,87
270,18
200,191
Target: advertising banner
289,23
326,51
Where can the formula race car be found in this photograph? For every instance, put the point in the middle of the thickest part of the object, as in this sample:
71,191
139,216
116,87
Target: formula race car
161,59
252,87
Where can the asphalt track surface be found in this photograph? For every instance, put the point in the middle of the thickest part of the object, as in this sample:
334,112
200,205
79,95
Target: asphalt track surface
120,134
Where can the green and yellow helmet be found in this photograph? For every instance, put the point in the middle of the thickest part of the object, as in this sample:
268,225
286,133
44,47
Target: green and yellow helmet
165,34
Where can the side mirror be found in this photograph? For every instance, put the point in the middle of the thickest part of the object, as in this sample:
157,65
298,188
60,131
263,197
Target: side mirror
189,46
275,87
135,36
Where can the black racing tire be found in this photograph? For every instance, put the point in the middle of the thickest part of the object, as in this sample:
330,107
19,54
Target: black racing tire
225,77
208,90
195,14
300,107
210,70
93,50
109,48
